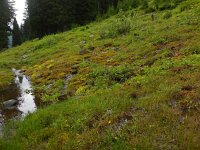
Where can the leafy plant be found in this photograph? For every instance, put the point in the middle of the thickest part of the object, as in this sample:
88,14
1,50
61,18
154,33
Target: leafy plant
103,77
50,98
167,15
192,50
120,26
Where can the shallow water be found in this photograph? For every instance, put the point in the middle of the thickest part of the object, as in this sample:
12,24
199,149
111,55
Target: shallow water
26,99
20,90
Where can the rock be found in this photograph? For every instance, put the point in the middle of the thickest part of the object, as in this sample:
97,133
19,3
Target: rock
24,56
17,72
83,42
38,76
82,52
22,71
116,48
63,97
173,103
49,86
10,103
87,58
74,71
91,36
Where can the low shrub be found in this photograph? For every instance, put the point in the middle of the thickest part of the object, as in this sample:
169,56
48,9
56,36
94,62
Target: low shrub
120,26
167,15
192,50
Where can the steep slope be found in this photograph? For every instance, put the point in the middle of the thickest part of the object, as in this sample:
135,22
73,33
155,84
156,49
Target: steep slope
131,81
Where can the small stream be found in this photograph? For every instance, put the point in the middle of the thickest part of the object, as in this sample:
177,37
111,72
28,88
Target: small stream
20,91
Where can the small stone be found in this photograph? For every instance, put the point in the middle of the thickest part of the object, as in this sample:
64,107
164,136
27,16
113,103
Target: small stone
115,48
10,103
49,86
63,97
74,71
38,76
181,119
173,103
83,51
91,36
24,56
83,42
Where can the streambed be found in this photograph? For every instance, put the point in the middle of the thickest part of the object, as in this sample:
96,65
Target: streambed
20,91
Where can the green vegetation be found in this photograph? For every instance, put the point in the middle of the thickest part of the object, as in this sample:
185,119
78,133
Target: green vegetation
17,39
135,85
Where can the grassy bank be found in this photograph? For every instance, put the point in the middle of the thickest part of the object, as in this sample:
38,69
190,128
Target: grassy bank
135,84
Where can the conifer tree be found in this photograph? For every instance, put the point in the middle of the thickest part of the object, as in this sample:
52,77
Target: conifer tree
6,14
17,40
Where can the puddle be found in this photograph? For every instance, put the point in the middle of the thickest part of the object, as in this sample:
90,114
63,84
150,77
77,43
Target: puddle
20,90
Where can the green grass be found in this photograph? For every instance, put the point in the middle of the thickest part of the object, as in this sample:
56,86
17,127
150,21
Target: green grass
136,84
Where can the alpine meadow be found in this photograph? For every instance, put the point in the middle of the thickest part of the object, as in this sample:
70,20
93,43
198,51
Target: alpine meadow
100,75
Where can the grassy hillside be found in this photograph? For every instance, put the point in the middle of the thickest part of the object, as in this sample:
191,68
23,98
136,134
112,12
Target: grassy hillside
135,84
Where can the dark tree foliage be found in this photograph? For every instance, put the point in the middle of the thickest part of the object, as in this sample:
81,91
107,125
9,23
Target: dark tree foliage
16,33
25,30
84,11
6,14
52,16
49,16
25,27
103,5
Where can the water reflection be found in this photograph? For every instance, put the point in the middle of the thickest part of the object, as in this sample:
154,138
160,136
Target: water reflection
26,99
20,90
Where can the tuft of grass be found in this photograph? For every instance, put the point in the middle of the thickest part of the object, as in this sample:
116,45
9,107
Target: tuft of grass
167,15
120,26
